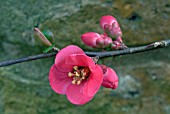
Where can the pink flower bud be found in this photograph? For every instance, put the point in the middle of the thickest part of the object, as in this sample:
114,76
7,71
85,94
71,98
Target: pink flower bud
92,39
116,45
119,39
99,42
109,24
106,40
110,78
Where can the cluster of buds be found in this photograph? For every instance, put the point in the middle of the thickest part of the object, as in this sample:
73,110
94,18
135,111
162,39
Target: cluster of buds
111,30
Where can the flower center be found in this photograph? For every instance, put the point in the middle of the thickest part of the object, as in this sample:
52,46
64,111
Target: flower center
79,74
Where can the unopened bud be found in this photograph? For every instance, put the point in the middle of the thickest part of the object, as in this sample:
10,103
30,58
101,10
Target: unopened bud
116,45
110,25
107,41
119,39
96,40
41,37
92,39
110,78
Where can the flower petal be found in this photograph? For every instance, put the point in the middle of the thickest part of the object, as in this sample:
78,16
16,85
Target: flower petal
79,60
75,94
59,81
83,93
63,54
93,84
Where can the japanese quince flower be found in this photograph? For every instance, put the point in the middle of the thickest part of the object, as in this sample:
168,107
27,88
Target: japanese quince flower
110,25
110,78
76,75
93,39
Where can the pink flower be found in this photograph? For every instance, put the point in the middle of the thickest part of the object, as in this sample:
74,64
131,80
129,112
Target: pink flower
110,25
76,75
96,40
110,78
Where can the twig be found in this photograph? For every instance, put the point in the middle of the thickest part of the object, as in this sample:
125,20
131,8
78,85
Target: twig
25,59
152,46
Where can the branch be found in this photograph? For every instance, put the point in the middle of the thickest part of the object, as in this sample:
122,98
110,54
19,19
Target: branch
152,46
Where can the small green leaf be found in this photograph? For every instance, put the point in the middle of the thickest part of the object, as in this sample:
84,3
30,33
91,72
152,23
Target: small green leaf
48,48
41,37
49,35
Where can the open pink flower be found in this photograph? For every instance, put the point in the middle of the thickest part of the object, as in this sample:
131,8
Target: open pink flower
110,78
76,75
110,25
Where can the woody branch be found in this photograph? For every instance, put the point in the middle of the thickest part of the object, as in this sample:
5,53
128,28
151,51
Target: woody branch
152,46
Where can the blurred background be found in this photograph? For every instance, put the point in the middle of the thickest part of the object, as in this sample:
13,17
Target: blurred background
144,78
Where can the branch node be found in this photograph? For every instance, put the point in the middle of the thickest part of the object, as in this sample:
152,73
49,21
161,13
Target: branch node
95,59
161,43
164,43
56,49
156,44
130,50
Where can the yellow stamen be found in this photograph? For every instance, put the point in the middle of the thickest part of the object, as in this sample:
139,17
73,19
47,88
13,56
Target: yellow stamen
83,73
73,82
77,74
83,77
75,67
70,74
78,82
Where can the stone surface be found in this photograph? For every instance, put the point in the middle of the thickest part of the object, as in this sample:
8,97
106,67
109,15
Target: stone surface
129,87
24,88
